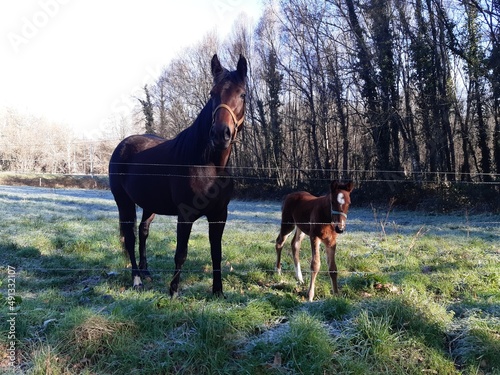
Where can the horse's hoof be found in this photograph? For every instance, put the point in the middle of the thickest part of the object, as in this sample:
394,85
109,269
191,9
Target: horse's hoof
219,294
173,291
137,285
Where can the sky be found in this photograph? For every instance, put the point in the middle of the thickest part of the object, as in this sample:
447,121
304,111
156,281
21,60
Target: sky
77,62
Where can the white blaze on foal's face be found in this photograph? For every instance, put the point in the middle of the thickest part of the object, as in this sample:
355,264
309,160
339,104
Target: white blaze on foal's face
341,199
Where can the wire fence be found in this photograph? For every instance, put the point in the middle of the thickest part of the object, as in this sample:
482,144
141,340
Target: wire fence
266,173
393,177
379,221
94,158
373,228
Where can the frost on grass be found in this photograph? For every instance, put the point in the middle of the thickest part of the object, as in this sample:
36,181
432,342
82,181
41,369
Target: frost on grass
95,204
55,204
96,334
406,277
475,338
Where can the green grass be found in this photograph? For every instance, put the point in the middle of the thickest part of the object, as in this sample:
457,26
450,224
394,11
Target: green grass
412,301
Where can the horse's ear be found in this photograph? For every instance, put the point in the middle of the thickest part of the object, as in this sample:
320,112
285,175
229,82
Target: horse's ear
242,67
334,185
349,186
217,68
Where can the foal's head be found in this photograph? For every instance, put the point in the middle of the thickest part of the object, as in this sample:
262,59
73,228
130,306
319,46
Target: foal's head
340,201
228,102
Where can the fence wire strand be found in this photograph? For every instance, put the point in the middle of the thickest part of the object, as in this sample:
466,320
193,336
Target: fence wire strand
261,173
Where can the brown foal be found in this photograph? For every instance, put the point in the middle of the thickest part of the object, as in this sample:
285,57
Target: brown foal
321,218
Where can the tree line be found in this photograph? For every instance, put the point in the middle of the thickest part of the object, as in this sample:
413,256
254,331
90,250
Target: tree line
370,89
33,144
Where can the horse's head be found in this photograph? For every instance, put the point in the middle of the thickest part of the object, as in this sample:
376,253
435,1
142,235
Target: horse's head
340,196
228,102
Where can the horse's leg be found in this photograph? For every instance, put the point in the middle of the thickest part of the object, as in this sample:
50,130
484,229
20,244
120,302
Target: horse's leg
127,214
286,229
296,241
147,218
183,232
315,264
332,267
216,224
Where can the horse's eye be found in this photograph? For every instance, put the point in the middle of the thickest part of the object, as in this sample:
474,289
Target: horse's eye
243,96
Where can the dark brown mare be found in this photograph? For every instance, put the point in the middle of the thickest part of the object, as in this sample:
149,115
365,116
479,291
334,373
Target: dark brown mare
185,176
321,218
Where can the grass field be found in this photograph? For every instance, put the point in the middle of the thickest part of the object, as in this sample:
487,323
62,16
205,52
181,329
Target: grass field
420,294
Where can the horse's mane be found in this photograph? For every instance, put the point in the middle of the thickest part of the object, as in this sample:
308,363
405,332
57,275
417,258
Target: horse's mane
192,142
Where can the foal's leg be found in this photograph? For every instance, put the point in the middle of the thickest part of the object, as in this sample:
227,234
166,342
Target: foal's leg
147,218
332,267
216,225
286,229
183,232
315,265
296,241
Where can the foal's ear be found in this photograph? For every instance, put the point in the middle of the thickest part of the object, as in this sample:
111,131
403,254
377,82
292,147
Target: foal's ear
349,186
217,68
334,185
242,67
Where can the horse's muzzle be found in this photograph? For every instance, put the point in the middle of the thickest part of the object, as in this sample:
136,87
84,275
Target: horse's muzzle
340,227
220,136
